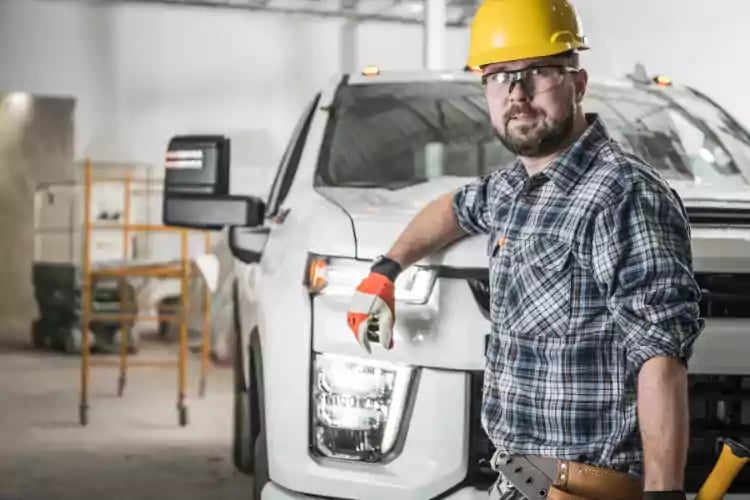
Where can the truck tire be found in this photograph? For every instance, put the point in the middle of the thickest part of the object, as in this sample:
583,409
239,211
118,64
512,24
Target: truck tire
261,473
261,468
243,442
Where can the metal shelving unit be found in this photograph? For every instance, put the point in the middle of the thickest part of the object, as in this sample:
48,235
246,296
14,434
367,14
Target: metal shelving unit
179,269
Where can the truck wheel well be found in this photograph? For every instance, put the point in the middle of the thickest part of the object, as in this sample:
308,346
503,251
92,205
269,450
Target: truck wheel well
261,472
240,384
255,358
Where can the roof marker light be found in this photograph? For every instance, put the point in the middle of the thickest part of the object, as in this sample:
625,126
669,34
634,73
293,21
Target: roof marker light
370,71
663,80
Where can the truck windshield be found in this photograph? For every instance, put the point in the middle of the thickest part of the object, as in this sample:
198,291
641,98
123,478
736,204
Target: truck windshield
393,135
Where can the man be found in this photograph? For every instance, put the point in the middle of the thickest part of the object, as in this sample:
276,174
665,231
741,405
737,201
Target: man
594,306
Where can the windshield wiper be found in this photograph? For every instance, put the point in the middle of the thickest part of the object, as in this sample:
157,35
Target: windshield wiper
736,216
389,185
732,127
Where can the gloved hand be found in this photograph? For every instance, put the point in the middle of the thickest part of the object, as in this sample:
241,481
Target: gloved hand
372,311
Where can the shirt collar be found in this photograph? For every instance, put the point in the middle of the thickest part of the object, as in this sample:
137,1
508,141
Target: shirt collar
516,175
567,169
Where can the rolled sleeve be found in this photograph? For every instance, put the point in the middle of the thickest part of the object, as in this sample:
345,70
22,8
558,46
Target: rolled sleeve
471,204
642,260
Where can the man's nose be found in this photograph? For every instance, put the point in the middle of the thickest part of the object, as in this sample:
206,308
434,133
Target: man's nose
518,91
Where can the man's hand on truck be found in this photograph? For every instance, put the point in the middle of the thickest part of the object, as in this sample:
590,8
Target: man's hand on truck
372,311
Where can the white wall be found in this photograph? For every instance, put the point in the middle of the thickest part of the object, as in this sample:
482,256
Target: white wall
142,73
702,43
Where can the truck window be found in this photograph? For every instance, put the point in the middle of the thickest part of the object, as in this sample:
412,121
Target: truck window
393,135
290,160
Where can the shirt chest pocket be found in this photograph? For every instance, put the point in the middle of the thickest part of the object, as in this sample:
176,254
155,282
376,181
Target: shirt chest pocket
538,291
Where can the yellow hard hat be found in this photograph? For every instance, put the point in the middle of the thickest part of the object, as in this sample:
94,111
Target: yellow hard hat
508,30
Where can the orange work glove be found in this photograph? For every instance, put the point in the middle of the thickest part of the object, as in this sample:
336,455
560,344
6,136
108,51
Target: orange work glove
372,310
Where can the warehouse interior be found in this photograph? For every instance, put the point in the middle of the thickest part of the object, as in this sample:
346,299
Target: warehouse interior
91,94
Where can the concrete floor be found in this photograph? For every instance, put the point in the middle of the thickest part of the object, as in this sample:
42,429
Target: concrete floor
132,448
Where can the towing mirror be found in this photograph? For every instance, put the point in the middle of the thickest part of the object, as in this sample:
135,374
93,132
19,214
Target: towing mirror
196,186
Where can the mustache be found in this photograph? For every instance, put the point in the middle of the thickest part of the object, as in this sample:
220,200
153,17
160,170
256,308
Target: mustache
518,109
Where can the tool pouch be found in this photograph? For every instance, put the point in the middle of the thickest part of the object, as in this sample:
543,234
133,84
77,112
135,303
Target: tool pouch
556,493
577,481
544,478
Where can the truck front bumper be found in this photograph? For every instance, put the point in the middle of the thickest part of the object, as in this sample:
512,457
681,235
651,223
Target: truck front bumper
275,492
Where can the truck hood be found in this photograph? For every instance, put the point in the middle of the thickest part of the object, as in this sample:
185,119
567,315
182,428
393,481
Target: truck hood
380,215
703,194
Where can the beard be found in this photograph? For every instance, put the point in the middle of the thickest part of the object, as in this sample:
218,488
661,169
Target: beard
541,137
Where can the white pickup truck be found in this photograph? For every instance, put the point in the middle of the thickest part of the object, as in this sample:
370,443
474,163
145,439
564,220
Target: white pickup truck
318,418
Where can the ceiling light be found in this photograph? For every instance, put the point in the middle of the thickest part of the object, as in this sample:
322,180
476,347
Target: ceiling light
18,101
415,7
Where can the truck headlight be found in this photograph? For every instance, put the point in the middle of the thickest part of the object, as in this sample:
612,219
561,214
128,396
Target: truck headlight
340,276
359,407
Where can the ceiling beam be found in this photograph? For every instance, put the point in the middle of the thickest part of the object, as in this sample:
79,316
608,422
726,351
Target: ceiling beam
268,6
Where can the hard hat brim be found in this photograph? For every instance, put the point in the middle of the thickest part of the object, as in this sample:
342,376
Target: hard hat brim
516,53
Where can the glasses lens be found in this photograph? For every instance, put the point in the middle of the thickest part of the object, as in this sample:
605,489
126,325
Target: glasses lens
543,79
535,80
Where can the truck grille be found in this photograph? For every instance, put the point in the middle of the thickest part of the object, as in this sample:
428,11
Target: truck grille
724,295
719,407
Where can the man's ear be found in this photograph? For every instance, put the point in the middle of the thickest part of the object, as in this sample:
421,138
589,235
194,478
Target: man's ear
581,82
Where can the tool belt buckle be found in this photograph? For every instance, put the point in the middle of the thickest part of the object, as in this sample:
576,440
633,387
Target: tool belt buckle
530,476
498,460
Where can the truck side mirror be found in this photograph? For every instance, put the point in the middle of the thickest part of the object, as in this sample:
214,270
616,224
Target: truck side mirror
196,186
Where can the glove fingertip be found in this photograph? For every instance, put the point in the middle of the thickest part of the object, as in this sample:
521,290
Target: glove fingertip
362,337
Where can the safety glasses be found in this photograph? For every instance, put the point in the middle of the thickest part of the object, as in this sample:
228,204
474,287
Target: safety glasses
533,80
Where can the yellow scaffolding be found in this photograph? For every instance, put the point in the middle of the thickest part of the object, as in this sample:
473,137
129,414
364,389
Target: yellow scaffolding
180,270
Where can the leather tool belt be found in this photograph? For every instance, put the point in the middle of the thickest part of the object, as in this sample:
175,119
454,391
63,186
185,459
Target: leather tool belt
548,478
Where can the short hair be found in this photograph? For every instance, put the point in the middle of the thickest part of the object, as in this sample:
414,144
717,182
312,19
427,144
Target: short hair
573,56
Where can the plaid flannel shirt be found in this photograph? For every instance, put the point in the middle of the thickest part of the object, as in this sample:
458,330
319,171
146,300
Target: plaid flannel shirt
590,270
